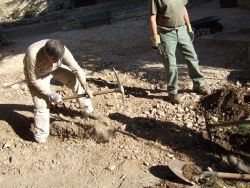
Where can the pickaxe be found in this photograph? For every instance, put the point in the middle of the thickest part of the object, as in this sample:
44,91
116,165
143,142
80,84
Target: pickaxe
119,89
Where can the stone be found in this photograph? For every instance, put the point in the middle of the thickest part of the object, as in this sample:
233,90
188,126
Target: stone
189,124
111,167
6,145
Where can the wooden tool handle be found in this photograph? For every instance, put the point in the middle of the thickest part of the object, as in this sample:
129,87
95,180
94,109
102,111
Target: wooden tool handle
74,96
106,91
233,176
94,93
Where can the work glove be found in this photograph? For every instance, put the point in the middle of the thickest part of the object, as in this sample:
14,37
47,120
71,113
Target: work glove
87,90
56,98
89,93
155,39
156,44
190,32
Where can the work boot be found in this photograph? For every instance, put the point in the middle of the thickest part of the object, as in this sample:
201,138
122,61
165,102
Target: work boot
38,140
201,90
174,98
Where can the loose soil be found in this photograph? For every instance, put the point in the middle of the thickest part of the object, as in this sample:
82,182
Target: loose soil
133,146
226,113
189,171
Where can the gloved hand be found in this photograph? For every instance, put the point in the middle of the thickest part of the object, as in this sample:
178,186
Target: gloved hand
87,90
90,93
56,98
190,32
156,44
155,39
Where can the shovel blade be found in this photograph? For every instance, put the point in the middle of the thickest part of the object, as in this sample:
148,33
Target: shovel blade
176,167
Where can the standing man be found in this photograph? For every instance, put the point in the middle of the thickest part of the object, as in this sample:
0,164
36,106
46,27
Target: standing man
170,18
44,60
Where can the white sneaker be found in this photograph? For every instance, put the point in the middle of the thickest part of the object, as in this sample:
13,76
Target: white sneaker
86,105
40,140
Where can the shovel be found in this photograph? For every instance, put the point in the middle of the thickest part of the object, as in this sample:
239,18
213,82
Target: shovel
176,167
226,175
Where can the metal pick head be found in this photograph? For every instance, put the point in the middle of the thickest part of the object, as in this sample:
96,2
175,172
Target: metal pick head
120,87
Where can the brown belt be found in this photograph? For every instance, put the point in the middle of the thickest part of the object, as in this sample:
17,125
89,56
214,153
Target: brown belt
169,29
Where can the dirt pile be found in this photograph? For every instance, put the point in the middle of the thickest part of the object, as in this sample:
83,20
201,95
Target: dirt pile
68,121
189,171
226,115
68,128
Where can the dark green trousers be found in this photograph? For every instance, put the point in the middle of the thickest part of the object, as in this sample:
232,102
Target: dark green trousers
170,40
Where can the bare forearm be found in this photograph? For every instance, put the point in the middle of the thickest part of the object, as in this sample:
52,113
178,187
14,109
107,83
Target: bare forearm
153,25
186,16
187,19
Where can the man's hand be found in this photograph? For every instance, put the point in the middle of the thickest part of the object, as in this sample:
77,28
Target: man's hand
156,44
190,32
87,90
56,98
155,39
90,93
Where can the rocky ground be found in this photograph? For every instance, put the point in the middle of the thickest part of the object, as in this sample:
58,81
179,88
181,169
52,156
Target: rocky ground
149,131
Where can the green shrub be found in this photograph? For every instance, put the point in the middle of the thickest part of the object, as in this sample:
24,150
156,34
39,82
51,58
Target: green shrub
244,128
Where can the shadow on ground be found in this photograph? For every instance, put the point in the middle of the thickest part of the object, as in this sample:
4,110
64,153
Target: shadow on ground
19,123
135,91
61,127
179,139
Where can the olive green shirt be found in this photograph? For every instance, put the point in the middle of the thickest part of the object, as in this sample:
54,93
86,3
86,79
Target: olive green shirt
169,13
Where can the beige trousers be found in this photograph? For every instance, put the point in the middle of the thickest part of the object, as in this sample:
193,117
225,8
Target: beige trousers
42,104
